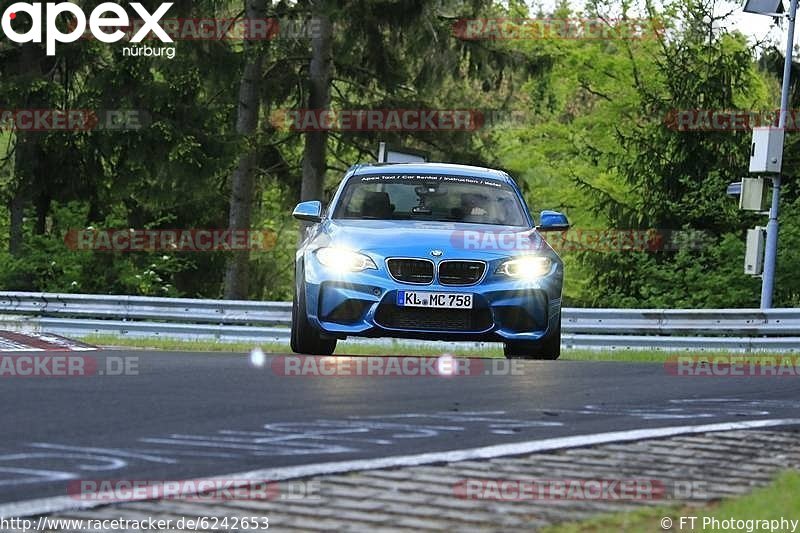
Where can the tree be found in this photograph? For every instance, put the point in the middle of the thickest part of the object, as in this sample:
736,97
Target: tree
243,178
320,67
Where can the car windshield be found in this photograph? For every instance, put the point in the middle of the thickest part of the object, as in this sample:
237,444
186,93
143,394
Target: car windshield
431,198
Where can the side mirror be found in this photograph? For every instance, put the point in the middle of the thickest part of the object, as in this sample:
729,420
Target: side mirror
308,211
552,221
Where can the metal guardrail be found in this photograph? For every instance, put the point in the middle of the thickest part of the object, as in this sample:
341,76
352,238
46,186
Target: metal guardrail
249,321
145,308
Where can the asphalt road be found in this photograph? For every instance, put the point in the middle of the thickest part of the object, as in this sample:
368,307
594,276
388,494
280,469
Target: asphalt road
181,416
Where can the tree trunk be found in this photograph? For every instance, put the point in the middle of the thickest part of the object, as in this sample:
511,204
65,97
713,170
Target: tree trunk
16,209
26,151
243,177
25,161
319,96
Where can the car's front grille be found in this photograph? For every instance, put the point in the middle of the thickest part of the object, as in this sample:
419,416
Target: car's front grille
411,270
421,318
460,272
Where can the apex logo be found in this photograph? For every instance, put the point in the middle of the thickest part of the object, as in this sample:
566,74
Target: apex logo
98,21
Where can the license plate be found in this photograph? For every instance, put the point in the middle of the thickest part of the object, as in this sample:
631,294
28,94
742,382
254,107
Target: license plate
439,300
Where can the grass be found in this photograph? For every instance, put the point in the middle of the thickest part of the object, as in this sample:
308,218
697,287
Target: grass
366,348
350,348
781,499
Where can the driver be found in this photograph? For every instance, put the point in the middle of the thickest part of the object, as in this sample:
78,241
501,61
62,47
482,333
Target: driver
377,205
473,207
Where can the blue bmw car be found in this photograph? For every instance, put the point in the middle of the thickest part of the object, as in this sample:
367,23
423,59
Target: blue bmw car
428,251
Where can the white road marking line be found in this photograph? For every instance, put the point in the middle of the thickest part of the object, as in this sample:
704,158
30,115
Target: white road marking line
34,476
105,453
63,503
293,448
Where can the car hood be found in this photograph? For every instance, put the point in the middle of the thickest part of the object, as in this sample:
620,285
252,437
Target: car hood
418,238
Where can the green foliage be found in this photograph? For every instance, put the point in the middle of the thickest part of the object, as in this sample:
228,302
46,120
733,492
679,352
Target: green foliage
48,264
607,153
583,124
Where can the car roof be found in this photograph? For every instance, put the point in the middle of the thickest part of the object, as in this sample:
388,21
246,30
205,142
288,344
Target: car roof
449,169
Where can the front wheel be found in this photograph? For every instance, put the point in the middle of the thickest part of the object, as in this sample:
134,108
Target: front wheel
306,339
547,348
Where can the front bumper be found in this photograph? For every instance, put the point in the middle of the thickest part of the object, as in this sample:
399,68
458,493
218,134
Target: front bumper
363,304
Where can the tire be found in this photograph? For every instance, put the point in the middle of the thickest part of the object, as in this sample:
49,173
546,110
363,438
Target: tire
548,348
306,339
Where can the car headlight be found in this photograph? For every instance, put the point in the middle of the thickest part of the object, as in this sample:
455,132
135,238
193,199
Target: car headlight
344,260
528,267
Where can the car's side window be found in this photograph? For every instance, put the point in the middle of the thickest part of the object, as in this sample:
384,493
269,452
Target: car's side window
355,201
